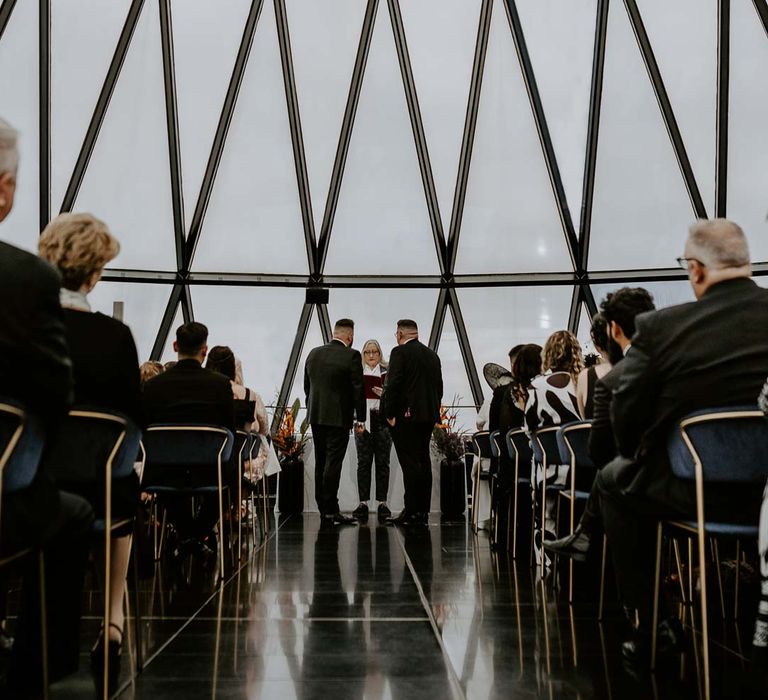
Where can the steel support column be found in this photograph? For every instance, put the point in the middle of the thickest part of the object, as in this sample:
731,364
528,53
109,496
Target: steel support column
723,79
44,85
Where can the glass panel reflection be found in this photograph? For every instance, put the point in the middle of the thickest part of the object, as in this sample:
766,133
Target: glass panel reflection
664,293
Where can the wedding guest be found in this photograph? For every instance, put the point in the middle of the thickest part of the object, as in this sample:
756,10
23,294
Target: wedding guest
585,384
150,369
375,442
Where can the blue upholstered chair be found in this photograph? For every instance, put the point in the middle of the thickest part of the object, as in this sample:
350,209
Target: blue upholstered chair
546,452
179,447
96,447
713,447
519,449
21,446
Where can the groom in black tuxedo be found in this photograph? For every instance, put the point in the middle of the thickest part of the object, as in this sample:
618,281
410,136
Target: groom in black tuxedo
411,404
333,385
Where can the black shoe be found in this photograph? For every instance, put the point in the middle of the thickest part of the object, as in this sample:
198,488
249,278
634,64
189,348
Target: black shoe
408,519
573,546
338,519
669,641
401,519
114,652
361,511
384,512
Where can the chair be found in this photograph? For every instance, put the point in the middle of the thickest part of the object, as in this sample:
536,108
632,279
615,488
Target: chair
241,448
21,446
546,452
714,446
482,444
95,446
261,484
177,447
519,448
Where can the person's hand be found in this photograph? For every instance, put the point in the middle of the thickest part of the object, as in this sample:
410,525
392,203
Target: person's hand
391,422
377,390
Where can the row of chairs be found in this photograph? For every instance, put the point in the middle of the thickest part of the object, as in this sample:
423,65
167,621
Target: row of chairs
108,446
710,448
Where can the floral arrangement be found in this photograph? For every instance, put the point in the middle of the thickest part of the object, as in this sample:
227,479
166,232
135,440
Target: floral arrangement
291,444
448,440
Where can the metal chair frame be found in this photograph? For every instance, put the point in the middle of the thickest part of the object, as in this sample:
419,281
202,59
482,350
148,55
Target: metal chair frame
476,480
515,455
545,465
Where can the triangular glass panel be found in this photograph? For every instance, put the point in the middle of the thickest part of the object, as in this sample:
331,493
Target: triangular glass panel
683,35
641,208
143,307
206,37
254,222
560,38
664,294
441,44
499,318
261,339
313,339
83,39
748,136
18,87
324,39
127,182
584,333
510,220
376,312
382,223
457,393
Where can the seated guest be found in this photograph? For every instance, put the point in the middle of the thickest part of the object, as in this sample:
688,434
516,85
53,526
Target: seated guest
188,393
552,401
35,370
585,385
619,309
525,368
760,637
709,353
150,369
105,369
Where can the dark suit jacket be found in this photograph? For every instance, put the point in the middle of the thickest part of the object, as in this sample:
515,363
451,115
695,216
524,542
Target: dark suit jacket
333,385
188,393
414,384
706,354
602,444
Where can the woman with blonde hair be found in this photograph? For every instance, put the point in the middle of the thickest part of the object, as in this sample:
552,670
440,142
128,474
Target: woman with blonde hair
105,367
552,401
375,442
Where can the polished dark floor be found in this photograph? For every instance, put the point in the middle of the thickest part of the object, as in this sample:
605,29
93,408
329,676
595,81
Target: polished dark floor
377,612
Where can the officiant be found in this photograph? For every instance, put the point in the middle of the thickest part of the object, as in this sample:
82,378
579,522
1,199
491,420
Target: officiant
374,444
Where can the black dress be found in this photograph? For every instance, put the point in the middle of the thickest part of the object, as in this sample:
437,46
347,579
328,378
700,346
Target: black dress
105,366
589,403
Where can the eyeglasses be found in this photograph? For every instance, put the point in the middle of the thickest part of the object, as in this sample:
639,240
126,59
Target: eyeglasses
683,262
371,352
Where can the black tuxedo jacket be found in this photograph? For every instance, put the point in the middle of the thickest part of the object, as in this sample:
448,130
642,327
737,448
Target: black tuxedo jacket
189,393
705,354
602,443
333,385
414,384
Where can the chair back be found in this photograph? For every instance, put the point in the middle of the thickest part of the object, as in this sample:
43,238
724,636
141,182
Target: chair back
242,447
21,446
519,446
545,446
187,445
573,441
255,445
724,445
482,443
495,440
92,443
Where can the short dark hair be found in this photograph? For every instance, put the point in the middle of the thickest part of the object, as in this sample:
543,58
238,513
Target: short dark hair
599,332
514,351
623,305
190,337
221,359
407,324
344,323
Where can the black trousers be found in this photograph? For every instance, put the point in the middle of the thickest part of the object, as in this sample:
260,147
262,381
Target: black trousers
412,447
330,447
377,445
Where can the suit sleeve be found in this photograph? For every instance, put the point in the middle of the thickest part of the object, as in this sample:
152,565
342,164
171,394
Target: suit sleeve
634,400
358,388
129,376
393,386
602,447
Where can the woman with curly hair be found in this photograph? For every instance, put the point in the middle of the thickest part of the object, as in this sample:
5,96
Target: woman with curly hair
552,401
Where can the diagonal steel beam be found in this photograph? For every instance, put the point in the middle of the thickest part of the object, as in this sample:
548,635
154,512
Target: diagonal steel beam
292,366
589,299
760,5
667,113
439,319
542,128
6,9
187,311
97,119
167,321
172,126
297,138
466,348
222,129
574,313
44,85
419,137
325,322
593,130
347,123
468,138
723,78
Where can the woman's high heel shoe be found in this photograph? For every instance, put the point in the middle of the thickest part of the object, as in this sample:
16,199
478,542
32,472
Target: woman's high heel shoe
114,651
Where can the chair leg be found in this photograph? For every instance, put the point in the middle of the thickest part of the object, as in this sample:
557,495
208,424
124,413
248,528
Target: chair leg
602,579
43,623
679,564
136,604
716,550
736,586
704,612
543,516
107,599
656,593
512,525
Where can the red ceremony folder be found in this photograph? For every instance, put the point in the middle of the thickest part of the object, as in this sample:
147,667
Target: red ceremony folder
370,381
